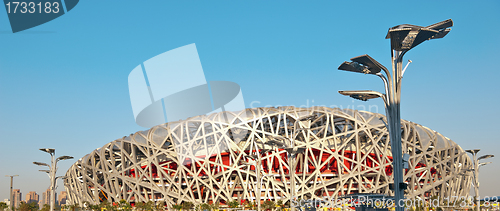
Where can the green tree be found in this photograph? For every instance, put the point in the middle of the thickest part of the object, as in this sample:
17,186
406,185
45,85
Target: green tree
124,205
103,204
177,206
72,207
23,206
268,205
141,206
33,206
160,206
150,205
45,207
187,205
280,205
111,206
95,207
215,206
3,206
250,204
233,204
205,206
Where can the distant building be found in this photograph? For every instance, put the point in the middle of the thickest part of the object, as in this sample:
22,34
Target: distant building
32,196
46,197
7,201
17,197
62,198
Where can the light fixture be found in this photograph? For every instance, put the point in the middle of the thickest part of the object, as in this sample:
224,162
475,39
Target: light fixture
406,36
48,150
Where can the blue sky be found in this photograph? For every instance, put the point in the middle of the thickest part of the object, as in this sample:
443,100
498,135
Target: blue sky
64,84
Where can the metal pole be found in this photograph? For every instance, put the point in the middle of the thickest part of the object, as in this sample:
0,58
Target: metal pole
53,170
476,181
11,197
291,156
52,173
262,180
257,168
12,205
393,93
394,126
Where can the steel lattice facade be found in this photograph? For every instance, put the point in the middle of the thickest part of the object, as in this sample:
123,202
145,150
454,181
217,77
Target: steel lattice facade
199,159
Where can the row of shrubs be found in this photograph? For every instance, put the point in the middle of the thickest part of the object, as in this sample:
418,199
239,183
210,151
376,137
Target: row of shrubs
123,205
243,204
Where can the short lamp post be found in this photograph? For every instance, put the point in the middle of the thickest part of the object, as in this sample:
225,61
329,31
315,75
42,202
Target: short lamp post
52,173
262,180
475,171
292,152
403,38
12,205
257,162
288,144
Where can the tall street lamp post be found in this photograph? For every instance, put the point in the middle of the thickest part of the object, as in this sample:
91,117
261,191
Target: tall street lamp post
475,172
52,173
403,38
11,185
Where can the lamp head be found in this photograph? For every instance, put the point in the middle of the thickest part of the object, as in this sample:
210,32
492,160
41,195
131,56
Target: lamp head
41,164
48,150
407,36
473,151
363,64
265,151
308,117
300,150
276,143
280,138
354,67
485,157
252,157
65,157
363,95
482,164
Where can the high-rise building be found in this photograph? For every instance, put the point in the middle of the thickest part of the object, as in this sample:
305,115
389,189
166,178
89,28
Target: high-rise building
62,198
46,197
17,197
32,196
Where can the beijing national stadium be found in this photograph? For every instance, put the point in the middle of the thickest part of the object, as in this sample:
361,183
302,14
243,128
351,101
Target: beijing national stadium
213,158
